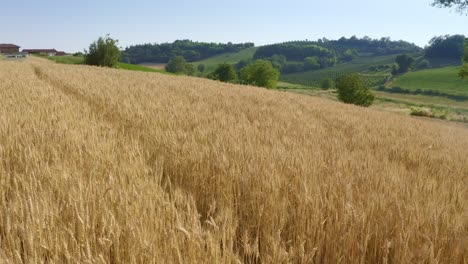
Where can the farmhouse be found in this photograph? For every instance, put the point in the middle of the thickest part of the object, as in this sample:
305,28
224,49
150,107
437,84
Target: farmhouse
9,48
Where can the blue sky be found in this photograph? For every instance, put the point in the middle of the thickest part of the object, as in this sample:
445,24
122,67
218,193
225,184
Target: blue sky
72,25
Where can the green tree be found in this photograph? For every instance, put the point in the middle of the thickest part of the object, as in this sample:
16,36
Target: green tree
464,70
278,61
351,90
327,84
312,63
260,73
177,65
103,52
459,4
423,64
225,72
405,63
348,55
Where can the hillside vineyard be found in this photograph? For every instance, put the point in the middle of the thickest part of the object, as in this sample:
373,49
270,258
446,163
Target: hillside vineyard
111,166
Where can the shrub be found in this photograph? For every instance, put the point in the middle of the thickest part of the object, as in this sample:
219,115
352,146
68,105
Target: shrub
440,113
189,69
351,90
201,68
327,84
423,64
261,73
418,111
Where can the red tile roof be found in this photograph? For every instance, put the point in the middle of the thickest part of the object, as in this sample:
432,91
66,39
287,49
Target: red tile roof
8,46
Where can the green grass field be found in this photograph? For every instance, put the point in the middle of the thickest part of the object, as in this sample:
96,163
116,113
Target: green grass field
442,79
231,58
133,67
65,59
360,65
120,65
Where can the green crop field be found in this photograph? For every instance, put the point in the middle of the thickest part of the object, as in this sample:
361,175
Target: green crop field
231,58
442,80
360,65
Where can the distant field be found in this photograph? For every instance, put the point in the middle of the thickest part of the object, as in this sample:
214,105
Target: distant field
358,65
80,60
442,79
158,66
133,67
66,59
231,58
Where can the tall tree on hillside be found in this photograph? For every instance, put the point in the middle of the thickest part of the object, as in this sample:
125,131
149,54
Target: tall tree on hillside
464,70
103,52
177,65
405,63
460,5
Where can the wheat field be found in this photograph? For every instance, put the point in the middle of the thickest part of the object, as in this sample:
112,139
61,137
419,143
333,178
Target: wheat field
110,166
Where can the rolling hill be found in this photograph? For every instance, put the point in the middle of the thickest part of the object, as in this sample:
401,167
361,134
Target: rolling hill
441,79
109,166
362,64
231,58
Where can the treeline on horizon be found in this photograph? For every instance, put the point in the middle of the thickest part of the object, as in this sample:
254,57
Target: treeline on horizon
299,56
190,50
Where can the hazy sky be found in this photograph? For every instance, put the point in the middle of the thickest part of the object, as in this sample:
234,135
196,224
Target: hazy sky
72,25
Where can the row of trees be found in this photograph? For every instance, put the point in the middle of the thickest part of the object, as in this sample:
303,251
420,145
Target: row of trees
450,47
293,52
460,5
298,56
189,50
464,70
258,73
